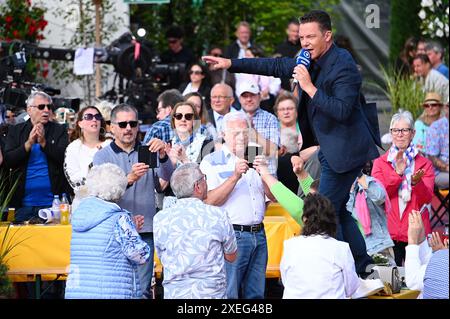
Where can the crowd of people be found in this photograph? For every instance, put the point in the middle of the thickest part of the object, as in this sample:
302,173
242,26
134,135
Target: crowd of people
201,206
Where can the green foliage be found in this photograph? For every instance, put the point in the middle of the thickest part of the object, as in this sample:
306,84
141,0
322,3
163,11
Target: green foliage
22,21
7,189
403,92
404,23
214,22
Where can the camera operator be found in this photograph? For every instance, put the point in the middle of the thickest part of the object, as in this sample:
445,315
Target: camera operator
177,53
36,149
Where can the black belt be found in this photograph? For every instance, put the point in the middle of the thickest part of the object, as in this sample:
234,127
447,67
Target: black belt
249,228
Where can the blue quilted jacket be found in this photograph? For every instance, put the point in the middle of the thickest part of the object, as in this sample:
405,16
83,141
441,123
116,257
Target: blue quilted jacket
98,267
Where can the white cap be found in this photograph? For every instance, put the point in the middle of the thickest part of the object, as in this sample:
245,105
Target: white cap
249,86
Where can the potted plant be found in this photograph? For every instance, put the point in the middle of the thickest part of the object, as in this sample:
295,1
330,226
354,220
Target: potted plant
6,244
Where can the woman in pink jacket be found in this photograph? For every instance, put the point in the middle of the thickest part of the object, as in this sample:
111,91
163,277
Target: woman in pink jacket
408,178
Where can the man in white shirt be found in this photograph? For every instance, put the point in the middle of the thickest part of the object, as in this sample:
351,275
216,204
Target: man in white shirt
240,190
419,251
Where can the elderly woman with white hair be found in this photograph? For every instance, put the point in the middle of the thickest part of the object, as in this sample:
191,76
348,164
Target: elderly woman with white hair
408,178
106,247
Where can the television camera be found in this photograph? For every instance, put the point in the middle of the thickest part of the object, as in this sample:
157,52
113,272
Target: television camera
140,75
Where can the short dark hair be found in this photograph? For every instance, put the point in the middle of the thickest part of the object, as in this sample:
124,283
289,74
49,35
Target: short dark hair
170,98
122,108
174,32
293,21
319,216
422,57
319,16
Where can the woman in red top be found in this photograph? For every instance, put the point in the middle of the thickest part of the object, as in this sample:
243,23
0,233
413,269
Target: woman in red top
408,178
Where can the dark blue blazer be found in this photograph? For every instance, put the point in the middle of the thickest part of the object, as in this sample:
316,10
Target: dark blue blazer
335,112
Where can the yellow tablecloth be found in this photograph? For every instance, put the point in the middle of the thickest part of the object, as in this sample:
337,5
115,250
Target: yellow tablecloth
43,247
48,246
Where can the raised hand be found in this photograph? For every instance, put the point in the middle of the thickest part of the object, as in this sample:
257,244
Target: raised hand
241,167
216,62
400,163
260,164
156,145
138,221
416,230
417,176
298,167
435,242
137,171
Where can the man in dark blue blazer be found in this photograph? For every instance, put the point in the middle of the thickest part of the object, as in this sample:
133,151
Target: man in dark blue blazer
330,115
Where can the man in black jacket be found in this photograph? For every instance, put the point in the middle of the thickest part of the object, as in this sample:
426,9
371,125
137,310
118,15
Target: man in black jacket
35,149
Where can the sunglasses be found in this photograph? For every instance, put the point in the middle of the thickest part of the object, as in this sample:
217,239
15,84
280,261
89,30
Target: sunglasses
187,116
173,41
124,124
89,117
196,72
40,107
10,116
427,105
217,55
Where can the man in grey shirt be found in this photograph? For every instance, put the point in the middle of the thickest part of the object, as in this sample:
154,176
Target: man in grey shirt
139,197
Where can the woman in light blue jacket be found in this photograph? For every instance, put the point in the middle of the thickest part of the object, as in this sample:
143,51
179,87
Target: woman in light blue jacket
105,247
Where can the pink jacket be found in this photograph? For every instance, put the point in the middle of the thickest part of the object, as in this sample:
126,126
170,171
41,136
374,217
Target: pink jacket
421,194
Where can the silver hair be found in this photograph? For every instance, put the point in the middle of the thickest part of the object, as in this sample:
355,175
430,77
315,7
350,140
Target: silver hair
289,138
402,115
234,116
435,46
184,178
106,181
32,96
105,108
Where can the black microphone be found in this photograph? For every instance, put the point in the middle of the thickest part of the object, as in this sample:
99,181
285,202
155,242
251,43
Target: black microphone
304,58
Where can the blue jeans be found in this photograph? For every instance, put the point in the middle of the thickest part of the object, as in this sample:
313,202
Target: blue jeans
246,276
145,271
336,186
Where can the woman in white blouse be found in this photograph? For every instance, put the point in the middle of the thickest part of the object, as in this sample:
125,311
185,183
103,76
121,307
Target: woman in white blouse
87,138
315,265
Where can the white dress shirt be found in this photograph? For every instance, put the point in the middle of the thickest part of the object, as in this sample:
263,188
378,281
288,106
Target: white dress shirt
246,203
218,119
416,261
317,267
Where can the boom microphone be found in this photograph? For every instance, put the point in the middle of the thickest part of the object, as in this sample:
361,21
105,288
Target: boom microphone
304,58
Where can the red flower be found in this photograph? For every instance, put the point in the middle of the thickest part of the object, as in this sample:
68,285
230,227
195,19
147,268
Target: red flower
16,34
42,24
8,19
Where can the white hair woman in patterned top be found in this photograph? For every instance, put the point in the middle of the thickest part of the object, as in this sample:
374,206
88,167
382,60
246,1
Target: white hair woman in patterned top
105,247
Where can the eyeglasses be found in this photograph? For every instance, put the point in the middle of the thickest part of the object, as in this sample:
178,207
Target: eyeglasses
427,105
90,117
40,107
124,124
187,116
196,72
201,178
219,97
108,122
10,116
397,131
235,133
289,109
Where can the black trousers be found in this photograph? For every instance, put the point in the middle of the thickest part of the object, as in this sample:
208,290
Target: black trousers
399,252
